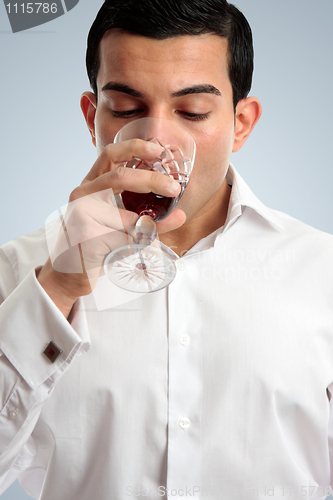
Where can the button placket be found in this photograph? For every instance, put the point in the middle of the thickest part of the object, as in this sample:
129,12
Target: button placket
185,389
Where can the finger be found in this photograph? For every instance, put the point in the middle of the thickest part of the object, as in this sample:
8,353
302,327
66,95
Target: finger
127,179
117,219
113,155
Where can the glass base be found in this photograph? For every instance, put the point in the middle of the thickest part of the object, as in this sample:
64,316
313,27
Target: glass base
139,268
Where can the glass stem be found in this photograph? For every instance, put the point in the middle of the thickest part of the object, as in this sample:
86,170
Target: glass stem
145,228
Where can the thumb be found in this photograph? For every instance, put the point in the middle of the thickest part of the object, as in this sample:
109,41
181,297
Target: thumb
176,219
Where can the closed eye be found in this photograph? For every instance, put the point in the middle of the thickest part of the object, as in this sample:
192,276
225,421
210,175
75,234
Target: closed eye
125,114
194,116
187,115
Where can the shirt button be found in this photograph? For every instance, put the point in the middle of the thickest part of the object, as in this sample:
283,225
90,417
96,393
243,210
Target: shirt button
184,339
184,423
181,266
13,414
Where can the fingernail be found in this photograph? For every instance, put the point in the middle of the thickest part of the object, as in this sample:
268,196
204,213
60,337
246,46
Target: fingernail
154,147
174,185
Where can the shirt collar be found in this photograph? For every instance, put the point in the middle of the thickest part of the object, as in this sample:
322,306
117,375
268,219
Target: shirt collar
241,197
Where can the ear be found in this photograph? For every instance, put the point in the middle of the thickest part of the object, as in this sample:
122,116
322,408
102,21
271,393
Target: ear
248,112
88,106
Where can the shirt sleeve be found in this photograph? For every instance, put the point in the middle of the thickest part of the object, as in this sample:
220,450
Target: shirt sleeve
29,322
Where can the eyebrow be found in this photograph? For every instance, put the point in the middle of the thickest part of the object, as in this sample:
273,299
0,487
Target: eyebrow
121,87
195,89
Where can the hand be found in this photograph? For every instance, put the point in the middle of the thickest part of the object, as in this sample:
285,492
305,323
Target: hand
93,226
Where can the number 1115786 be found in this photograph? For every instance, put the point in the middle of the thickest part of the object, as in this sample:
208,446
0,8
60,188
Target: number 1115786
32,8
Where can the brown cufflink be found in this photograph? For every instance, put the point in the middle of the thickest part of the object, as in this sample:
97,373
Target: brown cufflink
52,351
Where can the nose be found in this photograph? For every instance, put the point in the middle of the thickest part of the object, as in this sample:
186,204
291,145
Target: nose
159,111
162,130
153,128
167,132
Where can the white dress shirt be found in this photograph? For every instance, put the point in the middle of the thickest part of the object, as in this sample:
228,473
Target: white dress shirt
217,387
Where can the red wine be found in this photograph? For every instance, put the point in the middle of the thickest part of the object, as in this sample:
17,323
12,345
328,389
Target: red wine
161,206
158,206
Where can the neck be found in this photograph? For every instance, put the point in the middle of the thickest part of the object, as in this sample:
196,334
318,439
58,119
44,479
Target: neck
211,217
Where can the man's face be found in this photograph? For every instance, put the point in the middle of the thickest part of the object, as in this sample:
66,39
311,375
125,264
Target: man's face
184,79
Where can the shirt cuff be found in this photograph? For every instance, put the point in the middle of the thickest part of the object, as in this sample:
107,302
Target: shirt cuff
30,321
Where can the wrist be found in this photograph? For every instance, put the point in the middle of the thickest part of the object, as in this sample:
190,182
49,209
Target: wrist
63,288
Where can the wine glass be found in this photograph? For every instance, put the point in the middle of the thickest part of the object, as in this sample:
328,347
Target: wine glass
143,266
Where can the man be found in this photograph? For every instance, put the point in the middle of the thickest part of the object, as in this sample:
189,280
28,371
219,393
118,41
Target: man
218,387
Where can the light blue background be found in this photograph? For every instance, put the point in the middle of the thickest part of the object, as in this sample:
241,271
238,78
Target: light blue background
46,148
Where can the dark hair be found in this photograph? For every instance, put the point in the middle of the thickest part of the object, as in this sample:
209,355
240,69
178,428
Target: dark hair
161,19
